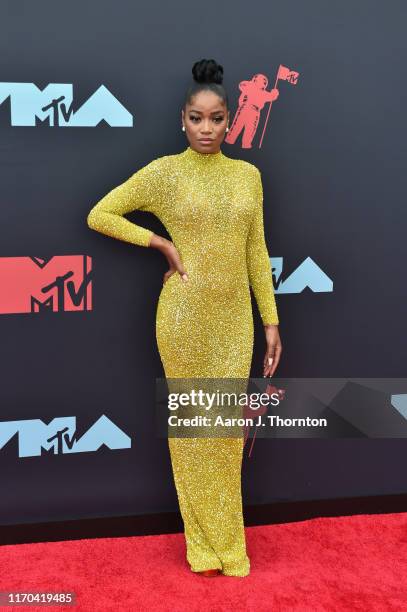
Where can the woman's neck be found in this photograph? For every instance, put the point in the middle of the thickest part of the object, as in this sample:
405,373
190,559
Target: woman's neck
199,156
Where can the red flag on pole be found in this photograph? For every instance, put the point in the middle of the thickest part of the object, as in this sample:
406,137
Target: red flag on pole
285,74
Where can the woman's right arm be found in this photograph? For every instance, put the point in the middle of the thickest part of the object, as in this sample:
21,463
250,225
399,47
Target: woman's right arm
144,190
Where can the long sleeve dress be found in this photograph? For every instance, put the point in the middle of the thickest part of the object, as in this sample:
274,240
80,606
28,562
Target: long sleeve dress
212,208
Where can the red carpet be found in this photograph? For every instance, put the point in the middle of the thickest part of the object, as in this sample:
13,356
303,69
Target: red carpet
324,564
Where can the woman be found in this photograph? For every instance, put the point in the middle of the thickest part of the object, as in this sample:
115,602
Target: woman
212,207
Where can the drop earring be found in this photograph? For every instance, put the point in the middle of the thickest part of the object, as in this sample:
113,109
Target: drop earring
227,129
183,128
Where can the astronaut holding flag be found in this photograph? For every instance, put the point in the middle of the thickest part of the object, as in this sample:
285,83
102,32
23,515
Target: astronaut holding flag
252,99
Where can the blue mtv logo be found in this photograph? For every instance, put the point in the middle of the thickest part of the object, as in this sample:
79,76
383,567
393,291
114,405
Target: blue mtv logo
308,274
54,105
60,436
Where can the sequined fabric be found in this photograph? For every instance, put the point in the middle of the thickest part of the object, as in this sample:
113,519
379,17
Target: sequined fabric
212,207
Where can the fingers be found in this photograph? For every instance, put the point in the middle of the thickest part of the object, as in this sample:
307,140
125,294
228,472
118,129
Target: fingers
268,362
271,360
274,366
183,273
175,263
276,360
167,275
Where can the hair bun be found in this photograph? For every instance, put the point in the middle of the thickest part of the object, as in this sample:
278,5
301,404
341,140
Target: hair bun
207,71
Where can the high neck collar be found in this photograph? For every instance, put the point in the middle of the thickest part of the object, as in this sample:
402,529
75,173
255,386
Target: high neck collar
204,158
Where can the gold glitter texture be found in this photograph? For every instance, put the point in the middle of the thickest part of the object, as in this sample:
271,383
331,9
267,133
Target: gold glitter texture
212,208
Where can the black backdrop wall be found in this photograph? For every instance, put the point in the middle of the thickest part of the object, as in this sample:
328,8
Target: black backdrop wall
333,166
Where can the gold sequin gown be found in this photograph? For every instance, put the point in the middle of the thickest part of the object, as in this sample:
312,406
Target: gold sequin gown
212,208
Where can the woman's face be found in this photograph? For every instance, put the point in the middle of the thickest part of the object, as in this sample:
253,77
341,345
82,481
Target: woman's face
205,121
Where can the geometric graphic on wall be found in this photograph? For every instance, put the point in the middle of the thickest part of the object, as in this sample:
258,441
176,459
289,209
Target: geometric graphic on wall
308,275
38,284
54,106
60,436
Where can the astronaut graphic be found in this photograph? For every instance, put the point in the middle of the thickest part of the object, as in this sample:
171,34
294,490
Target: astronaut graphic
253,97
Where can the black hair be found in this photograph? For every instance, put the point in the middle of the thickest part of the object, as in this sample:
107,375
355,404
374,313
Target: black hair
208,75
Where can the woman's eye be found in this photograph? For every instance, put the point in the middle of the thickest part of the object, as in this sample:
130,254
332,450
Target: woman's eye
193,118
218,119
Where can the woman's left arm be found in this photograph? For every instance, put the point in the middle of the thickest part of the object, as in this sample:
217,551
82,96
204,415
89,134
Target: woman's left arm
261,280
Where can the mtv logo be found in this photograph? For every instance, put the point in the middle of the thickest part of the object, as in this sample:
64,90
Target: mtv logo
35,284
54,105
34,436
307,275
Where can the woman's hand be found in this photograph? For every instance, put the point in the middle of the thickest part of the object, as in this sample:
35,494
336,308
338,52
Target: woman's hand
169,249
273,351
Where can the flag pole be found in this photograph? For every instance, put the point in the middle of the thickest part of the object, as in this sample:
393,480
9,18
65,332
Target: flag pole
268,112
